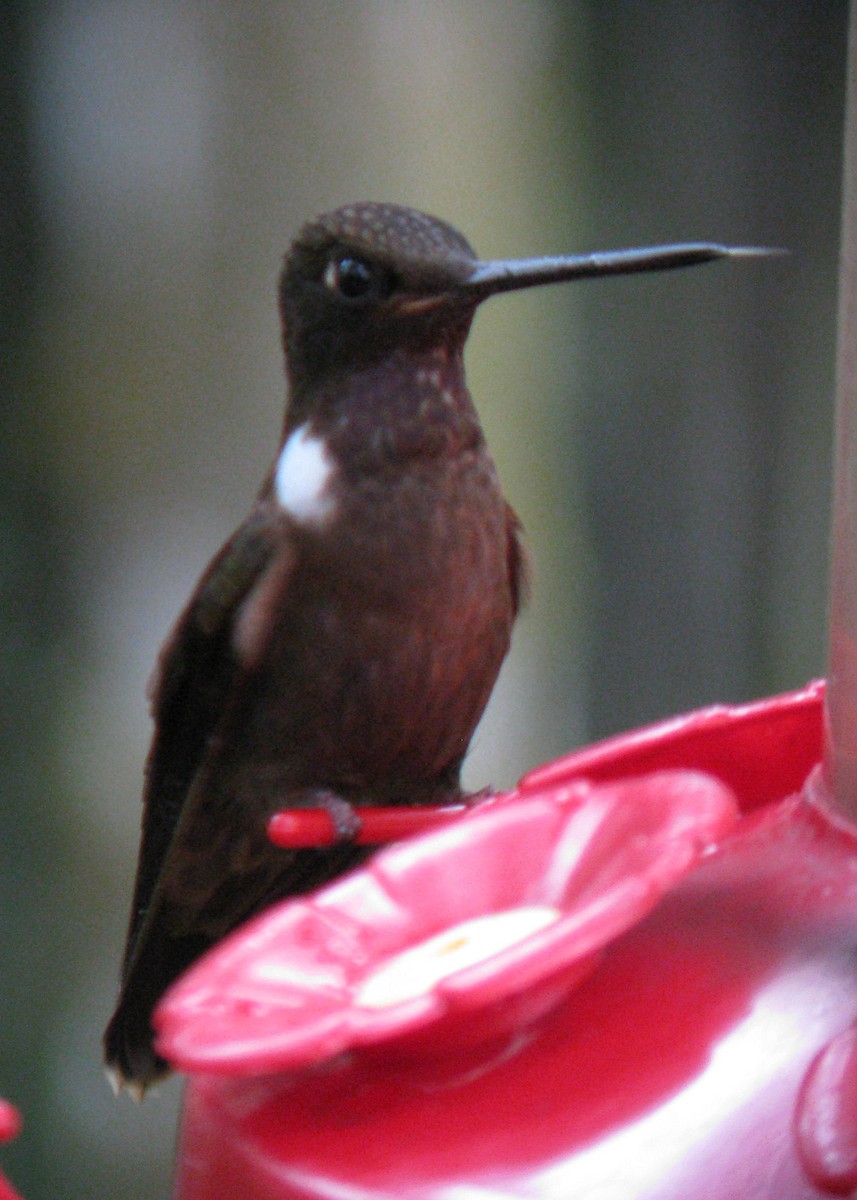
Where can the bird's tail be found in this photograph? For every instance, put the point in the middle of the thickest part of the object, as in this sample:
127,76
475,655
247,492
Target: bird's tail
129,1052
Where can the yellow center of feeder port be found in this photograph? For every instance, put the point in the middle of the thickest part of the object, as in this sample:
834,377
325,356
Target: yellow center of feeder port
415,971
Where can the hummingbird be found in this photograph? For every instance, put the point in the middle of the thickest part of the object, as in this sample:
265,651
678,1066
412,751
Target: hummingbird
341,647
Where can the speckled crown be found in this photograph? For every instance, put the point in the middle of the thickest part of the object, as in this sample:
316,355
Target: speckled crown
390,229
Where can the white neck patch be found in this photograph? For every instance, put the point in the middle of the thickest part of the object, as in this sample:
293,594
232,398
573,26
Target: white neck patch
303,477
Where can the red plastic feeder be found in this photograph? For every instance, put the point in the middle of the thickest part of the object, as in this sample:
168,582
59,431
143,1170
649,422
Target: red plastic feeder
608,983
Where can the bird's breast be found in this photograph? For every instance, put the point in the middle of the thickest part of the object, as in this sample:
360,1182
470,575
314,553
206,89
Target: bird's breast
386,633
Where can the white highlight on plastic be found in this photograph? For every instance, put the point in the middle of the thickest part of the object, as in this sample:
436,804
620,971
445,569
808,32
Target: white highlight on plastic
416,970
303,477
787,1021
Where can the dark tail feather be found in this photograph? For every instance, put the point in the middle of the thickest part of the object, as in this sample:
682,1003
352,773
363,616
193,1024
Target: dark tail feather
129,1053
158,957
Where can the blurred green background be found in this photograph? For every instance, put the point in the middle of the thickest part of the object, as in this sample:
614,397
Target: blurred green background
665,439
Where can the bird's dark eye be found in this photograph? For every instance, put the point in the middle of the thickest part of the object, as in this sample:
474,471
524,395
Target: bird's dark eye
352,278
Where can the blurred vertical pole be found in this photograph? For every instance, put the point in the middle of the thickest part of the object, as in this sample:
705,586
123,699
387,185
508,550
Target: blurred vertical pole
841,715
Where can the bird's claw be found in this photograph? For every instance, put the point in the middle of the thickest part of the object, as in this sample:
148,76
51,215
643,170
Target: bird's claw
471,799
345,820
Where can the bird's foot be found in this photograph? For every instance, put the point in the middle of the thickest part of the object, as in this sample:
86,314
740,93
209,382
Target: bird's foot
471,799
344,819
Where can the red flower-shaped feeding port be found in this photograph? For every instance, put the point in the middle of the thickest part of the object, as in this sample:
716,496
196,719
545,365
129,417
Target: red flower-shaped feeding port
573,992
459,935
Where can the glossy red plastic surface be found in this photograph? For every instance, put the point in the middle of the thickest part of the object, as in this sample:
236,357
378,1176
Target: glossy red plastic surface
827,1115
295,828
763,751
709,1051
405,952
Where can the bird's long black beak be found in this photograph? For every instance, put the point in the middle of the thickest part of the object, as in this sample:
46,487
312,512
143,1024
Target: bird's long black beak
489,278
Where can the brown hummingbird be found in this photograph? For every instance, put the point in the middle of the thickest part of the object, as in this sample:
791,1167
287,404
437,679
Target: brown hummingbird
341,647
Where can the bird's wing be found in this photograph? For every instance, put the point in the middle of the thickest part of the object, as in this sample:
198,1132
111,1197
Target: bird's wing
518,560
196,674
